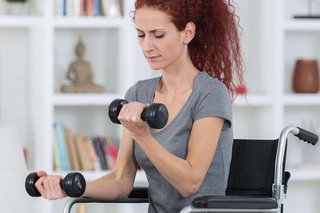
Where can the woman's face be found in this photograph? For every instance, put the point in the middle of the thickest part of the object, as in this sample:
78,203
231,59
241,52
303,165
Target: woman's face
162,44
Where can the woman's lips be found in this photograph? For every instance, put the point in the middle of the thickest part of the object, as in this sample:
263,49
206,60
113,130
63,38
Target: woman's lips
153,58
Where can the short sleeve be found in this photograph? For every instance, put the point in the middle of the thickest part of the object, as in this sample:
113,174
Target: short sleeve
214,102
131,93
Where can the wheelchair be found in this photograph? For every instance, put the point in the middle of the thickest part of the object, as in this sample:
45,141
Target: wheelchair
257,180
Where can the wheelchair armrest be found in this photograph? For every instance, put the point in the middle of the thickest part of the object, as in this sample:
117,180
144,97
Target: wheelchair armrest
235,202
137,195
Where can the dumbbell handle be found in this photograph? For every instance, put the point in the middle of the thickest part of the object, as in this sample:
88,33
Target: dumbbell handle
73,184
155,110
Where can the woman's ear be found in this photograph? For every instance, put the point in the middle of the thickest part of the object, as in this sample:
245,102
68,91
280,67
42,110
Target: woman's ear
189,32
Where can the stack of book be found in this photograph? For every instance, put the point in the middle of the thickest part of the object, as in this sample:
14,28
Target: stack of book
82,152
109,8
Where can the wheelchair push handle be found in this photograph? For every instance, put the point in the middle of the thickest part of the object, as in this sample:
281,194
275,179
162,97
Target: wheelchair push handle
307,136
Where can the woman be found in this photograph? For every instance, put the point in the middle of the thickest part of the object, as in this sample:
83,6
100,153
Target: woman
196,46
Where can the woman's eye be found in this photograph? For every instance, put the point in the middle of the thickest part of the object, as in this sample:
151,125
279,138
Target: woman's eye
159,35
140,35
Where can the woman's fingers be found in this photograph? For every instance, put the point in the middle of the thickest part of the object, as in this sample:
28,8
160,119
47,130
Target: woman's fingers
49,187
131,113
40,187
41,173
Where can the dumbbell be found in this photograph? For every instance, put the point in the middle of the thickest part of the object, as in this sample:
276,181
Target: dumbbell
73,184
156,115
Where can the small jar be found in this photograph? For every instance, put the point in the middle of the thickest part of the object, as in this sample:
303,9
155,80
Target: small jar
306,76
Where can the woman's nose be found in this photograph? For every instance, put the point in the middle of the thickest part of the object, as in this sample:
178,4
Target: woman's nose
147,44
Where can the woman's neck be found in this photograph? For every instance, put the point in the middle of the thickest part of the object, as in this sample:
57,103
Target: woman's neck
177,79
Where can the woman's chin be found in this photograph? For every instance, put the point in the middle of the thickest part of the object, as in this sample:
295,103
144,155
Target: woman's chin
155,66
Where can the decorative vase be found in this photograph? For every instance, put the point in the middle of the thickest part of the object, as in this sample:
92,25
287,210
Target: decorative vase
306,76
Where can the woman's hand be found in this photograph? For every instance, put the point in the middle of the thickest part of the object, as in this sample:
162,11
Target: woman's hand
130,118
49,186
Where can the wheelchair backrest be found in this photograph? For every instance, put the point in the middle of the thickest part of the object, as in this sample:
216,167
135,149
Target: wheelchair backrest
252,167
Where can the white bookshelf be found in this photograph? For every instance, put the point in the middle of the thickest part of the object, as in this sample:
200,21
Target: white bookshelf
298,38
271,103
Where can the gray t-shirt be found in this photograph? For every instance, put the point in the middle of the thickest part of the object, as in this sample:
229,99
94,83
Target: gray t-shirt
209,98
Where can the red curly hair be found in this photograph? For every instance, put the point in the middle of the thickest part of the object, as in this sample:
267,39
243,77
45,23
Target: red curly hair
216,45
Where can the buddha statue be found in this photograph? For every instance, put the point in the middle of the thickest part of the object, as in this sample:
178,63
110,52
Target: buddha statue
80,74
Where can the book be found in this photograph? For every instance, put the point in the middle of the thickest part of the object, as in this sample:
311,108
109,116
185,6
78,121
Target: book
100,154
59,7
92,154
84,161
56,154
96,8
104,148
112,150
87,157
89,7
110,8
120,7
62,146
71,147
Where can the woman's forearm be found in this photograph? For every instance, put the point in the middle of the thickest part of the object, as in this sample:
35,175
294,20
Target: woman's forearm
111,186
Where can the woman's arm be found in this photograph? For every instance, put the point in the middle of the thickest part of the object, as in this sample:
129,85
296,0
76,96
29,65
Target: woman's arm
186,175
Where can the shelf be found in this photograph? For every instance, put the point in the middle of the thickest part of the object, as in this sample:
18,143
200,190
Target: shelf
302,99
104,99
84,99
307,173
88,22
253,100
302,25
20,21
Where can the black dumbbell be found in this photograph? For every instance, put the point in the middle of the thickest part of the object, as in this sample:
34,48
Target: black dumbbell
156,115
73,184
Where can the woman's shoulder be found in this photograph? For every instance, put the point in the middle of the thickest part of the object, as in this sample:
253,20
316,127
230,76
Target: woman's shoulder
147,82
143,90
205,82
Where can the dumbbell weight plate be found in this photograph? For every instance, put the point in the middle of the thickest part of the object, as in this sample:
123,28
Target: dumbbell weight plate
31,179
114,109
156,116
73,184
